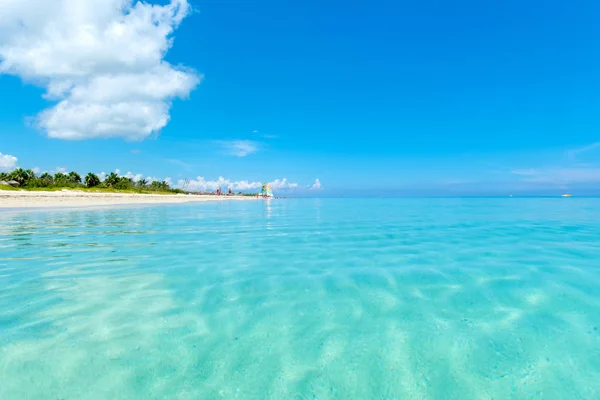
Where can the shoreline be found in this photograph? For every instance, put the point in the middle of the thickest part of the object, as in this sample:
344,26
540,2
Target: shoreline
22,199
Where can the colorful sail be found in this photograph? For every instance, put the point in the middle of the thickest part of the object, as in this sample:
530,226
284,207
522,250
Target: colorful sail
266,191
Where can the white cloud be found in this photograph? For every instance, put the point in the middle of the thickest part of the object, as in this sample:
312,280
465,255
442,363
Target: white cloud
61,169
316,185
7,162
101,60
36,170
245,185
283,184
134,177
201,184
239,148
130,175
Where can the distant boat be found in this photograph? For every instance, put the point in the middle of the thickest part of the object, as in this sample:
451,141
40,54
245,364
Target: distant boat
266,191
566,195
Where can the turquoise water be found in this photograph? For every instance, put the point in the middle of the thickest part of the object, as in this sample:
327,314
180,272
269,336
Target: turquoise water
303,299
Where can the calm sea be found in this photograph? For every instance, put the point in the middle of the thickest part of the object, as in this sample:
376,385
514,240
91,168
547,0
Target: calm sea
303,299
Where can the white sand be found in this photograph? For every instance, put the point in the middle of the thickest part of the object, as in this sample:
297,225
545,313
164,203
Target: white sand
75,198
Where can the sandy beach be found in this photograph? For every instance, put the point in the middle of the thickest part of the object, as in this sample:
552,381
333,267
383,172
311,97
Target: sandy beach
75,198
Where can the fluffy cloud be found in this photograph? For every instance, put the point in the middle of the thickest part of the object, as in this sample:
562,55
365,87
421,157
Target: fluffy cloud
101,60
7,162
201,184
283,184
316,185
239,148
134,177
56,170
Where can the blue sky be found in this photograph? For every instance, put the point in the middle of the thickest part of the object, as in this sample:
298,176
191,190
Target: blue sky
387,97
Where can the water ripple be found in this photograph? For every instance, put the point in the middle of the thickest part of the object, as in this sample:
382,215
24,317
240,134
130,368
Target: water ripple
303,299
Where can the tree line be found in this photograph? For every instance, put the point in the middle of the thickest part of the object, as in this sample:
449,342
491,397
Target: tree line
26,178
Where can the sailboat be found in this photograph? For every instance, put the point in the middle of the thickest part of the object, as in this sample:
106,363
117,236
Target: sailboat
265,191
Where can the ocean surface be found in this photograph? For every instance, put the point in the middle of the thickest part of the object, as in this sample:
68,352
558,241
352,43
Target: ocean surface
303,299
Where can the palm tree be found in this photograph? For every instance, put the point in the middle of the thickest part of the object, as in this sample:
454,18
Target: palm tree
154,185
112,179
91,180
46,179
60,178
124,183
20,176
142,183
160,186
74,177
30,174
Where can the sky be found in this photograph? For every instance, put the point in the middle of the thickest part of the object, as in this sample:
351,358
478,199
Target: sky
322,98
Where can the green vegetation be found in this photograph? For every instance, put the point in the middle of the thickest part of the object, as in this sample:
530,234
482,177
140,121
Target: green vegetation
27,179
7,187
92,180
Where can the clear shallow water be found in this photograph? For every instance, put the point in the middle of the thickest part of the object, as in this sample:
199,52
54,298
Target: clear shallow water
303,299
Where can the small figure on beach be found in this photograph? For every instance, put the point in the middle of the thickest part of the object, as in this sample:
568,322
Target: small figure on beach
229,193
218,191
